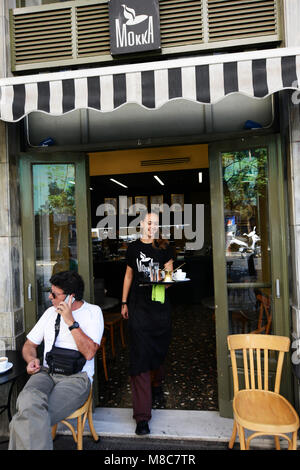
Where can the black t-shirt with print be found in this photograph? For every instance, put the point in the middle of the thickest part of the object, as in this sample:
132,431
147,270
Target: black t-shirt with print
140,256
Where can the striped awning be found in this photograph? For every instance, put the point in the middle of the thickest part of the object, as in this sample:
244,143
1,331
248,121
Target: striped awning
205,79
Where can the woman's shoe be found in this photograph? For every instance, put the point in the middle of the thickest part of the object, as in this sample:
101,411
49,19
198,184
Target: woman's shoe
142,428
158,398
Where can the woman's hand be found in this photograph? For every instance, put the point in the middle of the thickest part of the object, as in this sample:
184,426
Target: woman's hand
124,311
126,288
169,265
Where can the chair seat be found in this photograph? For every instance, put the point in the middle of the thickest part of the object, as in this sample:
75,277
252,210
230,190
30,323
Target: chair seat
108,302
264,411
111,318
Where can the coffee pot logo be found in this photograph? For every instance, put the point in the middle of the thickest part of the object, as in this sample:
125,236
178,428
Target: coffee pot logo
131,17
134,25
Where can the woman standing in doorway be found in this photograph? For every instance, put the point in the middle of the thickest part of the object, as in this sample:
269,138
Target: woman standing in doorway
149,321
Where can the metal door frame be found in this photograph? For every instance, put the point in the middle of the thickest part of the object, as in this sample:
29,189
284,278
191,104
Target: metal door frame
279,263
27,220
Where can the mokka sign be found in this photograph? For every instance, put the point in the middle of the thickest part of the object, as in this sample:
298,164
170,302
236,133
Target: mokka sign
134,26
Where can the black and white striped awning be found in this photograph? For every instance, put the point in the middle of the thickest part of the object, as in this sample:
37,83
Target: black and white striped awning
205,79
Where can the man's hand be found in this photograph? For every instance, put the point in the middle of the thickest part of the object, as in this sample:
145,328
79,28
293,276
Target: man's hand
33,366
29,353
65,309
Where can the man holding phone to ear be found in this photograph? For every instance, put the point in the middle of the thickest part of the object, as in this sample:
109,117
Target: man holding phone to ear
51,394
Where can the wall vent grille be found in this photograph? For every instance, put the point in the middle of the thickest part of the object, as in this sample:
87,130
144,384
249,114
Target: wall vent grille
228,20
165,161
77,32
40,36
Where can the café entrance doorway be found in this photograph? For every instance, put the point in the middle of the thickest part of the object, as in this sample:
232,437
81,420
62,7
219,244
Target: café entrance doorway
190,368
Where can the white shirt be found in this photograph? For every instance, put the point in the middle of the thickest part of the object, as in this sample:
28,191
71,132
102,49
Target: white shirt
90,320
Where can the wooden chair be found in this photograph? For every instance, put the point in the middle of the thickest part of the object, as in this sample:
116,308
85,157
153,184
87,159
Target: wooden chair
103,350
85,411
239,321
258,409
111,320
264,310
100,297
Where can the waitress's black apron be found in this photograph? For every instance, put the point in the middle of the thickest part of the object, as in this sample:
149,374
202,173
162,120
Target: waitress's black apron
149,324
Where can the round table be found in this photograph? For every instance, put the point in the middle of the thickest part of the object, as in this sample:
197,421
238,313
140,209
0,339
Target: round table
18,369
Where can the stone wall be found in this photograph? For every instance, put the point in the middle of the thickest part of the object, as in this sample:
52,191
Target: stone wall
11,282
11,276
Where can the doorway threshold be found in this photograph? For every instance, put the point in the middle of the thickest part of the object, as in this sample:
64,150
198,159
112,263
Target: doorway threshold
189,425
165,424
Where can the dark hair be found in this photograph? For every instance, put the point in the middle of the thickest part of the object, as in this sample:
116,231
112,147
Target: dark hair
160,243
70,282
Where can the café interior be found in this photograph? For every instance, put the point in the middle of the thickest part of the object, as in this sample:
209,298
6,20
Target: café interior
190,368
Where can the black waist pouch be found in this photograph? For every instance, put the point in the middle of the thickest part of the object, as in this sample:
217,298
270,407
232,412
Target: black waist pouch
64,361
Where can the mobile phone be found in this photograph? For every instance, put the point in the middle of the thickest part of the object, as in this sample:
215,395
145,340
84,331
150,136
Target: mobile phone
67,299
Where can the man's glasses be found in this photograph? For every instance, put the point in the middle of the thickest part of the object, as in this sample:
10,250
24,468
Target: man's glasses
54,295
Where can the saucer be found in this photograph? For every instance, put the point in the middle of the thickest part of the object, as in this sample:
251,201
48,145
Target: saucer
9,366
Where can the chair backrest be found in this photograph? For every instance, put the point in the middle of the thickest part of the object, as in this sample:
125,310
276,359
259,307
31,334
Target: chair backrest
264,310
256,349
99,291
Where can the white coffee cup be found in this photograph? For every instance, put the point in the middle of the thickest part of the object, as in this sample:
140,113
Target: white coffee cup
180,276
175,274
3,363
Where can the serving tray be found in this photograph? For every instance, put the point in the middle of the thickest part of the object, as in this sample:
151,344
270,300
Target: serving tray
162,283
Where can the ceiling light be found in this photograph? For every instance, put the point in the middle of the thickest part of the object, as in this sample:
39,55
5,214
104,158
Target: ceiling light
159,180
200,176
118,182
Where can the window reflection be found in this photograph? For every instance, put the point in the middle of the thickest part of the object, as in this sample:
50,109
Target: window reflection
246,215
55,224
250,311
245,181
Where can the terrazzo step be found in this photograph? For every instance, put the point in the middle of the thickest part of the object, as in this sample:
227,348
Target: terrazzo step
206,426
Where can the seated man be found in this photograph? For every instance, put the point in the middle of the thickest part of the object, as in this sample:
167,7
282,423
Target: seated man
48,397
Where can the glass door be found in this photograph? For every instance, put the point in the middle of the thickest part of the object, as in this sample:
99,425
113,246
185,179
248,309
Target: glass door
249,249
55,225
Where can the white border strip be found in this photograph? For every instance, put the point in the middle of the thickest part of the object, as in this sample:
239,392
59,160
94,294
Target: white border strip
158,65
